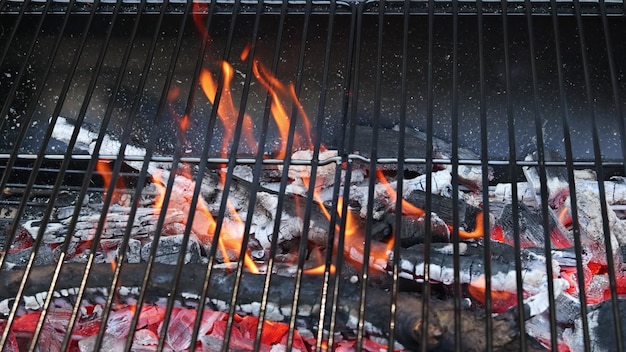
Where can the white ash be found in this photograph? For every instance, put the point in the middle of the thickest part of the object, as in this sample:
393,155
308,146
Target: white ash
109,343
301,174
449,249
54,232
573,336
590,220
503,194
169,248
585,175
615,191
133,253
368,328
262,225
540,302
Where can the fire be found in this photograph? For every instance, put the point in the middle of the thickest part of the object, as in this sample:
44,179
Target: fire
104,169
226,110
477,233
245,52
204,224
199,11
407,208
320,269
280,92
354,243
183,122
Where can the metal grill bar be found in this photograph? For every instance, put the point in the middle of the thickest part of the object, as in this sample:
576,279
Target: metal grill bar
485,173
619,343
454,157
513,169
542,171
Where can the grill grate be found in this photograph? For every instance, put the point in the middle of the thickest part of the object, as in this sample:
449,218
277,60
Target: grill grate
502,79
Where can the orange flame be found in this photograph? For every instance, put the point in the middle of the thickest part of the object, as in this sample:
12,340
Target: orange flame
320,269
564,217
245,52
477,233
199,15
354,243
183,122
104,169
204,224
407,208
226,110
279,93
277,108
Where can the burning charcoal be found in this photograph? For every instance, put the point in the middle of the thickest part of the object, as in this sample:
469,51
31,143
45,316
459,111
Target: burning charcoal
180,329
469,175
54,232
384,199
109,343
300,174
601,328
539,328
133,254
567,308
530,227
87,136
471,261
45,256
591,228
291,222
615,191
145,340
502,194
558,187
169,248
413,230
118,323
442,206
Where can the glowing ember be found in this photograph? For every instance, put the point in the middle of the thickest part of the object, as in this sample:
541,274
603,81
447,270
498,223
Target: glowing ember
500,300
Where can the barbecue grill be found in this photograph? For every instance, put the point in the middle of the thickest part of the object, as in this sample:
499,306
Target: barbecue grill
174,170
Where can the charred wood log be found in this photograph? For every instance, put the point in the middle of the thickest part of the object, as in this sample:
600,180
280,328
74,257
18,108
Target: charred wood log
472,263
469,175
531,228
377,313
556,177
443,207
387,146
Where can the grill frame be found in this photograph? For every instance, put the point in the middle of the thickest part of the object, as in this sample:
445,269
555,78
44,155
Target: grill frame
355,60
